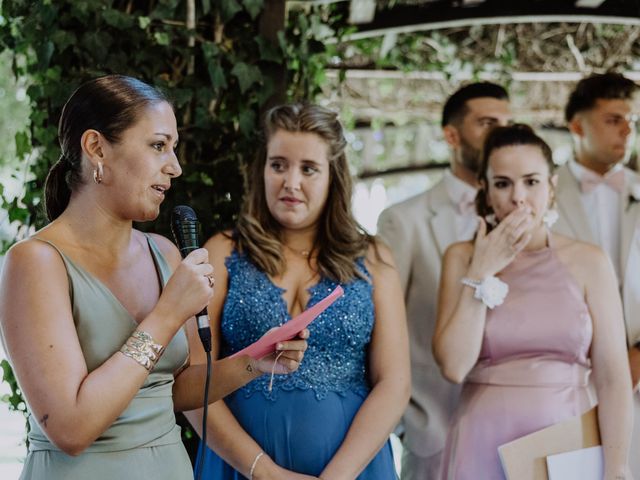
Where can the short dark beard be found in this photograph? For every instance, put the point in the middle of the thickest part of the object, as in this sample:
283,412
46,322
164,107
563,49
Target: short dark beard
469,156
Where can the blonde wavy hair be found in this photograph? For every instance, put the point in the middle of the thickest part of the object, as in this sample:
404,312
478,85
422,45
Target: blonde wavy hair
340,239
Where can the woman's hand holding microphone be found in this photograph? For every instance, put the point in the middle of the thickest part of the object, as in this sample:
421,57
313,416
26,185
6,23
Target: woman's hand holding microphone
189,289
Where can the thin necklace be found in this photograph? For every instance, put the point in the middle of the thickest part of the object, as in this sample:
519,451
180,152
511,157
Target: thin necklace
302,253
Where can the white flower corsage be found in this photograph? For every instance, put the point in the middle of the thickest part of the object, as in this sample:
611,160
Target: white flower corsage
491,291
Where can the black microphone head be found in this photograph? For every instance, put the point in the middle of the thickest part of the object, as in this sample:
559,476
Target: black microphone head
185,226
183,212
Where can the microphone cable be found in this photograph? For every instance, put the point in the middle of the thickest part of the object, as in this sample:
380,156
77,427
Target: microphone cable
203,442
185,228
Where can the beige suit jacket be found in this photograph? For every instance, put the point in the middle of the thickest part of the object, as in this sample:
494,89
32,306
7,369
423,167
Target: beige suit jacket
419,230
573,222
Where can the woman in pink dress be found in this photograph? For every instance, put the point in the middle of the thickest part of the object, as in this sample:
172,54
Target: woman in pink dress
525,317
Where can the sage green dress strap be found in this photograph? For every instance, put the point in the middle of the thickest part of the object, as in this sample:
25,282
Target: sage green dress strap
144,441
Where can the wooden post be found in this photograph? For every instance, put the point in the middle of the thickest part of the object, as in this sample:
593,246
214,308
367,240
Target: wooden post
272,20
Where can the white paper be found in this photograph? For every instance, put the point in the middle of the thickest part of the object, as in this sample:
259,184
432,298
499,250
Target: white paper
583,464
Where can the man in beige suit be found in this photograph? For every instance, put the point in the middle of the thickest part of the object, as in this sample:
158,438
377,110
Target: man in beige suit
419,230
599,198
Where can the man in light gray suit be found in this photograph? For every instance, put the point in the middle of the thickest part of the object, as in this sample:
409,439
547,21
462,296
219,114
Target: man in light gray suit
419,230
599,198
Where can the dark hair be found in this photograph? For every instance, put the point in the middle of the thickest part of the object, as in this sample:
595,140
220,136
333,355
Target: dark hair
606,86
340,239
110,105
516,134
456,108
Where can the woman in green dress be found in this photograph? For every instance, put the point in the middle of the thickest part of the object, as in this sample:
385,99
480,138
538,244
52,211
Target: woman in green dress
92,311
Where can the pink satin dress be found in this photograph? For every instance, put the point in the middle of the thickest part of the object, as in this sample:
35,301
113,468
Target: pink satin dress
533,370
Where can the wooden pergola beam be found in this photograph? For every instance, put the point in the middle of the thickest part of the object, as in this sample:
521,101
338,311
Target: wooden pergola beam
436,75
503,20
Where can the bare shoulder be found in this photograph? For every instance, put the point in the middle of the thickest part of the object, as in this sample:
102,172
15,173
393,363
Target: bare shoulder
588,263
576,252
379,259
379,252
33,253
378,241
221,243
167,248
35,266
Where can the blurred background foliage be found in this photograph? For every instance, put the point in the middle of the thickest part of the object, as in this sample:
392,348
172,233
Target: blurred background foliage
220,62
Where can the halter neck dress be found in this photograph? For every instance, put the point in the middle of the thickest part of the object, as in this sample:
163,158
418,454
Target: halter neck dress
533,369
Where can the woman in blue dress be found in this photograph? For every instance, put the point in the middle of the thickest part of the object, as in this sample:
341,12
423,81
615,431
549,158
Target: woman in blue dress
295,241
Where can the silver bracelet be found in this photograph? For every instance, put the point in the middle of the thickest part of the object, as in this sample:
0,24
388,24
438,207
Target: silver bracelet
141,347
491,291
253,465
139,357
145,343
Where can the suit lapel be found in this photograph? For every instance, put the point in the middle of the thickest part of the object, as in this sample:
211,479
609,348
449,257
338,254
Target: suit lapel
442,213
630,212
571,207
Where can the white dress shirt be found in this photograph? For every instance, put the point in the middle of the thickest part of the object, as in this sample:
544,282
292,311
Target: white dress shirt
462,195
602,205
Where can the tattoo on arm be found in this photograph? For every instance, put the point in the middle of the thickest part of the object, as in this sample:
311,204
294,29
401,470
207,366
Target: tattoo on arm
249,368
43,420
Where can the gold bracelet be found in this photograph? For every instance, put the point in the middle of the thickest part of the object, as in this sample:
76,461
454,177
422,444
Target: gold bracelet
141,347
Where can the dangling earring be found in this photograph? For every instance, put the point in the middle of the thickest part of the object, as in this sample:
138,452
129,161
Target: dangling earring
98,173
491,219
550,217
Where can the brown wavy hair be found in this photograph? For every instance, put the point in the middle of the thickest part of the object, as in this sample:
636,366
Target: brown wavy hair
340,240
516,134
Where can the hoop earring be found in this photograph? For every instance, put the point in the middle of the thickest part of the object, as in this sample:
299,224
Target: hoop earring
98,174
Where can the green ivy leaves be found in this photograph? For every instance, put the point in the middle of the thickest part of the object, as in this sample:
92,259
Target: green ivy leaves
247,75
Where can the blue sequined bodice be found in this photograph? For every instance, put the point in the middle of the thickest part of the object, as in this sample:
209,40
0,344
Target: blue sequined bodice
336,358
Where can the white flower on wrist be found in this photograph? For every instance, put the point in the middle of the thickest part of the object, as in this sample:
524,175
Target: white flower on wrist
491,291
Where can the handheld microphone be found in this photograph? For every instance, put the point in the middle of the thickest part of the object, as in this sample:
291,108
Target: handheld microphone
185,228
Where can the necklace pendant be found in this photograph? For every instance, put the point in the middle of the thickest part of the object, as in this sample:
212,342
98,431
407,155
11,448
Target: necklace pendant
302,253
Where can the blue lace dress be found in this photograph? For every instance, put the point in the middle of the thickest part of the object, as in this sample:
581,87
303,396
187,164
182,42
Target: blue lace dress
303,421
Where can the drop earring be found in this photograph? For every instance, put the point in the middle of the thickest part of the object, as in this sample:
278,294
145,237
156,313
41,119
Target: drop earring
550,217
98,173
491,219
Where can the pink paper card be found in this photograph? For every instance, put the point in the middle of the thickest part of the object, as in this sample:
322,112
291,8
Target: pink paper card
267,343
